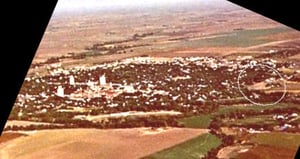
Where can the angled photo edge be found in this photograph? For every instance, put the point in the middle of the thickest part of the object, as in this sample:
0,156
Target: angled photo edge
26,27
297,154
279,11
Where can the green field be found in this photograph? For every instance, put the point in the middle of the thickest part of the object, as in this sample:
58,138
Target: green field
192,149
241,38
258,120
285,140
238,38
252,107
201,121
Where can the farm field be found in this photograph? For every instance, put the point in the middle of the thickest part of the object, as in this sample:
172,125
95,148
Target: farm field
285,145
95,143
201,121
191,149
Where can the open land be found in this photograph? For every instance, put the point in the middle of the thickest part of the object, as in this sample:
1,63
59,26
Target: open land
95,143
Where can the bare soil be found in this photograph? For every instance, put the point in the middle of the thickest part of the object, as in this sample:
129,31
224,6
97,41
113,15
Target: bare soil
268,152
7,136
95,143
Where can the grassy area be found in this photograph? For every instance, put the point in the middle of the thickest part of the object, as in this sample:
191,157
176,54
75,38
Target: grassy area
201,121
258,120
252,107
242,38
285,140
192,149
239,38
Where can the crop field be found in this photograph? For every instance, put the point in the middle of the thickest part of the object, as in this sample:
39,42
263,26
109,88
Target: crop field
252,107
281,145
93,143
242,38
277,139
192,149
260,119
201,121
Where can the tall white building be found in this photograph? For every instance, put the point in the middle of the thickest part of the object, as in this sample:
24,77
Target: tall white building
102,80
60,91
72,80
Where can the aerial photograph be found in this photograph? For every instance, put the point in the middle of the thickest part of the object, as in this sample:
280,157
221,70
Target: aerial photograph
158,79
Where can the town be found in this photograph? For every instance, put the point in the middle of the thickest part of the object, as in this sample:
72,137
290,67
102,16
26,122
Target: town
143,87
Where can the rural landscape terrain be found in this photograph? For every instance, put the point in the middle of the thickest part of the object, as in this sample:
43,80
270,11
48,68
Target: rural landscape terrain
181,80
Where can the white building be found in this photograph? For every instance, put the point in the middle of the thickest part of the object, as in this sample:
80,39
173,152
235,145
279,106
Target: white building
72,80
294,115
60,91
90,84
129,89
102,80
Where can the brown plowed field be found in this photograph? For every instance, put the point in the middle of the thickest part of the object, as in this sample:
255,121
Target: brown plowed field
95,143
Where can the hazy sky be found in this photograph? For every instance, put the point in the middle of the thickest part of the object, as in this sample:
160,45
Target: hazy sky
92,4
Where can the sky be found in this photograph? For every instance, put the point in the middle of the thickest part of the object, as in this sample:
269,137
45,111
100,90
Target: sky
63,5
